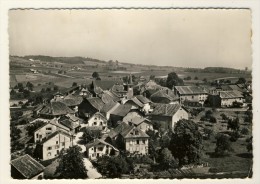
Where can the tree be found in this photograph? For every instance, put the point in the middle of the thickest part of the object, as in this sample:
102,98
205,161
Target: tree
223,145
196,78
186,142
166,160
34,126
249,145
71,164
15,133
205,80
152,77
74,84
55,88
207,133
173,80
95,75
90,135
233,124
241,80
26,93
224,116
20,87
29,85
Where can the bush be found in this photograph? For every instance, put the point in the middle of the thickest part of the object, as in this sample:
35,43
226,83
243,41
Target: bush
244,131
223,145
234,136
212,119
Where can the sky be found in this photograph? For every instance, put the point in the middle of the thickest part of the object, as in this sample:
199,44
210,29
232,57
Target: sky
169,37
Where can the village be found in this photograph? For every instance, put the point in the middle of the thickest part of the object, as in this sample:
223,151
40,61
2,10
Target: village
133,126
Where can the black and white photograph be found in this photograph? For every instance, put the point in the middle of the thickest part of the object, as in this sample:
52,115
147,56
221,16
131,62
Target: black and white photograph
130,93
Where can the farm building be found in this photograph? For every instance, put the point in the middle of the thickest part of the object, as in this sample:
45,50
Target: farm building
142,123
90,106
226,98
97,120
165,96
71,122
25,167
191,93
166,115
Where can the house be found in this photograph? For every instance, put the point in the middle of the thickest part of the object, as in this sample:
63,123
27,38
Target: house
191,93
108,108
53,144
55,109
165,96
142,123
146,103
58,96
97,120
85,93
47,129
166,115
26,167
135,103
99,148
90,106
134,140
132,114
119,113
108,96
227,98
70,121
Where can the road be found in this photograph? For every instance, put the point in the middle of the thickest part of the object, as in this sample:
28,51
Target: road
92,172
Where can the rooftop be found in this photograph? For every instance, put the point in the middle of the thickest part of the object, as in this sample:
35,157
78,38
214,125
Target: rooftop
165,109
98,142
122,110
230,94
56,108
133,132
27,166
143,99
96,102
190,90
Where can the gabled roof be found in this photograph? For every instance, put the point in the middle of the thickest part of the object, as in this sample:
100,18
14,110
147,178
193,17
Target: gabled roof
96,102
138,120
27,166
165,109
106,98
133,132
114,96
143,99
54,134
98,142
164,94
230,94
109,106
55,123
114,132
190,90
72,100
56,108
98,114
135,101
122,110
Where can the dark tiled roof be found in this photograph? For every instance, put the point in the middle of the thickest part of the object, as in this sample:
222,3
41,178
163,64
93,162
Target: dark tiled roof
165,109
54,134
135,101
230,94
165,94
27,166
56,108
112,95
98,142
190,90
122,110
72,100
114,132
143,99
133,132
138,120
96,102
107,107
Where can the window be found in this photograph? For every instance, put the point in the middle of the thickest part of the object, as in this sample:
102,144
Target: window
95,118
49,154
58,152
57,147
49,148
94,149
131,142
40,136
48,128
192,97
101,123
95,123
63,144
100,148
143,141
37,135
137,141
57,142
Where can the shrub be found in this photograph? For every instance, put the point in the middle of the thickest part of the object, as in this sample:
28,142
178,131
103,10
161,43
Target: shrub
223,145
212,119
244,131
234,136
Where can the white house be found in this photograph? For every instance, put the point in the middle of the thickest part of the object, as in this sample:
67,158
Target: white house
97,120
229,97
99,148
47,129
52,146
